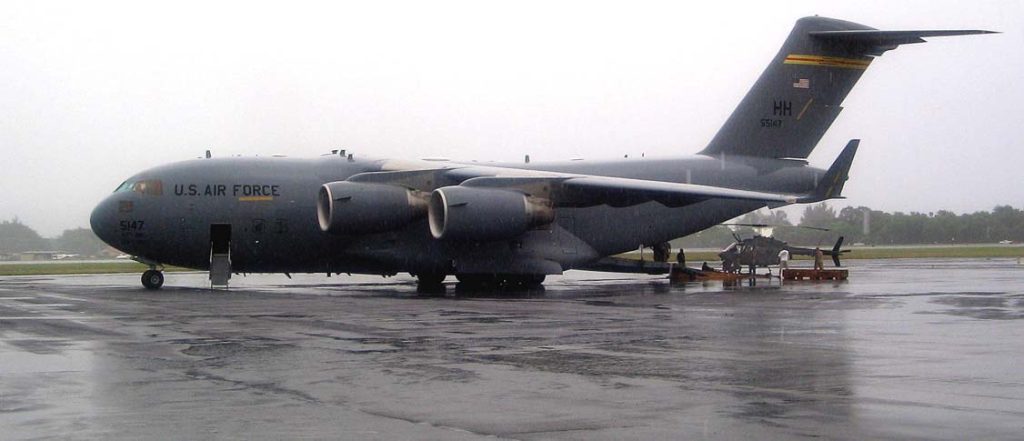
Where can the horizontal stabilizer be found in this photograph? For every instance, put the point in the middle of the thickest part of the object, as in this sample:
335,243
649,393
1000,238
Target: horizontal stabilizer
882,41
831,185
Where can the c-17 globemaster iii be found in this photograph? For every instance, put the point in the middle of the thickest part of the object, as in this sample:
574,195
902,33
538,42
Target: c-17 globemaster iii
505,224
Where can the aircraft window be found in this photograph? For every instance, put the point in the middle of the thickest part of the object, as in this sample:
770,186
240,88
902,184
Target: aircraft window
125,186
153,187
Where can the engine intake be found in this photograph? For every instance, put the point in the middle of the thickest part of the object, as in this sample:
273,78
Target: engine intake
478,214
360,208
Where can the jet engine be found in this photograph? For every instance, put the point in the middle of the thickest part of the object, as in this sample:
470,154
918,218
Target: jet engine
484,214
360,208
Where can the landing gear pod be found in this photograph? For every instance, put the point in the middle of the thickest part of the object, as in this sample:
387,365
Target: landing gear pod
478,214
359,208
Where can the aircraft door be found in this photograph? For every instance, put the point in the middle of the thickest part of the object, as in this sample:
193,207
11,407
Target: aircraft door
220,254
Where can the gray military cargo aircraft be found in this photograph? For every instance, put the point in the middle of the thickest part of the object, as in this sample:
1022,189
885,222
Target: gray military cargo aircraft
503,224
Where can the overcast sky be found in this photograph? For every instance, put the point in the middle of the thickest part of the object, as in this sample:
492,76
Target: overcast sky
92,92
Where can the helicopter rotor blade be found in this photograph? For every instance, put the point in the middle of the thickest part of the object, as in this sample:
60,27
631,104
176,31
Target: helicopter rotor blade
813,228
778,226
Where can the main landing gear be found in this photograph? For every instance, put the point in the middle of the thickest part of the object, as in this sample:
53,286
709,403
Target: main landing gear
430,283
153,279
433,283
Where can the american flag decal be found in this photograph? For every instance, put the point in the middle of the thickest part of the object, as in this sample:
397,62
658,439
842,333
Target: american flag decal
802,83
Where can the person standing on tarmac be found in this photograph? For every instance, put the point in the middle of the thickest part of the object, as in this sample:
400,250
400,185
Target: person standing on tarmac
681,258
783,259
819,259
661,252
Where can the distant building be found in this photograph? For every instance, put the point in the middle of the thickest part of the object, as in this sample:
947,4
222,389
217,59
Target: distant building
36,255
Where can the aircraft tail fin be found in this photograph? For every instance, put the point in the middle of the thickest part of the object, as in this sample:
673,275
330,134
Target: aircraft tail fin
830,186
837,250
799,94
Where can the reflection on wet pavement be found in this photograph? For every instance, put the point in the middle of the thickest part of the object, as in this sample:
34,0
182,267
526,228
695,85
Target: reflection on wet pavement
906,348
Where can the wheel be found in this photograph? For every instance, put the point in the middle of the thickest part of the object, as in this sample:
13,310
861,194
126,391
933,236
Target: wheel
430,278
430,282
152,279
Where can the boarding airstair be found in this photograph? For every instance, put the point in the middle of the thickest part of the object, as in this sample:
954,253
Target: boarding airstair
220,256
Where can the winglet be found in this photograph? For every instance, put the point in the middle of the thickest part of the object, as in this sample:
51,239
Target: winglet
831,185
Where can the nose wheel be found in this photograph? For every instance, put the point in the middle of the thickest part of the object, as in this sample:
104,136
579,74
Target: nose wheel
153,279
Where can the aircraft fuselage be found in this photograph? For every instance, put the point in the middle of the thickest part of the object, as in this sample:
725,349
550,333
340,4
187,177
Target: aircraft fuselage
267,206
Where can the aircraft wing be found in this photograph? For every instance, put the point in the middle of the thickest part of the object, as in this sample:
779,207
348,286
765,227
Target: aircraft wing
588,190
567,189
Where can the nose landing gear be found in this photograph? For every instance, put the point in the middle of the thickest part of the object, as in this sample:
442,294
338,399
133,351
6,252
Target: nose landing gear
153,278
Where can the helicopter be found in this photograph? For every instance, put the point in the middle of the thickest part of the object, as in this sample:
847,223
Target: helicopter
763,250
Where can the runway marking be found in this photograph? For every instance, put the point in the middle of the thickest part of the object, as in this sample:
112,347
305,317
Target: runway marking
63,297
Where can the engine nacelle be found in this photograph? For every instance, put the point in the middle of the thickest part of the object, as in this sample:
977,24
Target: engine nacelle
484,214
360,208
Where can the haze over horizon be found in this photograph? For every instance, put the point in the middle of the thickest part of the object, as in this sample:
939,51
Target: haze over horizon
96,92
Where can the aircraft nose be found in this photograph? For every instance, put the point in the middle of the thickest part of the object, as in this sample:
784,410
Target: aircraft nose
103,221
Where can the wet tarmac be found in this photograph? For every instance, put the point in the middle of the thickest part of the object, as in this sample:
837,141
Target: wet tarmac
908,349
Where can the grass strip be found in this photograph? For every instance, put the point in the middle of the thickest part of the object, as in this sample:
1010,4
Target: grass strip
79,267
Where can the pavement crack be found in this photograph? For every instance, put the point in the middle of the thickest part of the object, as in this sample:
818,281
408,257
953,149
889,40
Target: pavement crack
270,387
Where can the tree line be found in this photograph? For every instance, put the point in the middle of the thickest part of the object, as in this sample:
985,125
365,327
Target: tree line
16,237
881,228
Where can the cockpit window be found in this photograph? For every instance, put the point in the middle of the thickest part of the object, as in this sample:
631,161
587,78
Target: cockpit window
153,187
